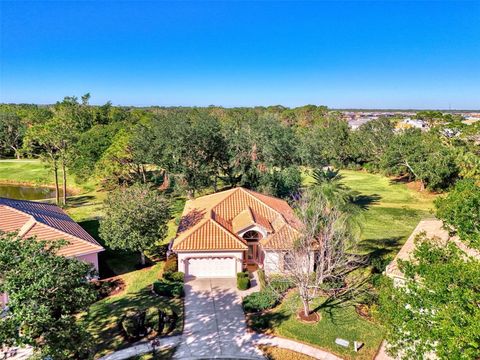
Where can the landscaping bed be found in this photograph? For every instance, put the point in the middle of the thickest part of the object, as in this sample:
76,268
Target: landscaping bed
103,318
339,319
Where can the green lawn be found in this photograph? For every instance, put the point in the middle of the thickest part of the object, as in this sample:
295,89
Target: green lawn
26,171
338,320
34,172
103,317
391,210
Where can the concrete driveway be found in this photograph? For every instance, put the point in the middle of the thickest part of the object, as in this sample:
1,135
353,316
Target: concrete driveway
214,322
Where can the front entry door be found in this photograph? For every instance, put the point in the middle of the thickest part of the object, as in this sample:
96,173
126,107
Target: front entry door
252,253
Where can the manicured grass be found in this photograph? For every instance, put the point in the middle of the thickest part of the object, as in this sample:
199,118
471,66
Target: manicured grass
103,317
28,171
34,172
338,320
391,210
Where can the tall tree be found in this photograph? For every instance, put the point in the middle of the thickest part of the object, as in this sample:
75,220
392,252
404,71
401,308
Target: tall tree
43,138
46,292
135,218
437,311
12,130
421,157
460,211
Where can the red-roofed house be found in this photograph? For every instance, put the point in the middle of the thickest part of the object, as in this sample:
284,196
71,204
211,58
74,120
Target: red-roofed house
48,222
220,233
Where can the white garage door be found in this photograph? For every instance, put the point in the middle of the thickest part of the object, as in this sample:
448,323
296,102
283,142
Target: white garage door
211,267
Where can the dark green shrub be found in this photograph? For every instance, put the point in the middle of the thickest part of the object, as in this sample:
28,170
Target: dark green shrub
133,324
176,276
259,301
243,283
170,266
379,264
168,288
280,284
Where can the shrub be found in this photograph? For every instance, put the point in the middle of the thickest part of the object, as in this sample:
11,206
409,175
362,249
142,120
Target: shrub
379,264
243,283
261,278
243,274
280,284
176,276
168,288
133,324
163,320
259,301
170,266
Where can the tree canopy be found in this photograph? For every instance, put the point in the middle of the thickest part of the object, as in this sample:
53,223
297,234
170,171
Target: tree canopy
460,210
436,311
45,292
135,218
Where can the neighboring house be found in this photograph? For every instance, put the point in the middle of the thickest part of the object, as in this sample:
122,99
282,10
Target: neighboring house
433,229
356,123
220,234
48,222
412,123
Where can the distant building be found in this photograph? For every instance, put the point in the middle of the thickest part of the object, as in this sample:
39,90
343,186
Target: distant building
409,123
356,123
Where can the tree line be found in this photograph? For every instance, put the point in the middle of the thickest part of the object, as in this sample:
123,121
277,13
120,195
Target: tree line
261,148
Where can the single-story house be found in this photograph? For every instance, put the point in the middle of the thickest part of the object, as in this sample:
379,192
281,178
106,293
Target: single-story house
433,229
48,222
223,233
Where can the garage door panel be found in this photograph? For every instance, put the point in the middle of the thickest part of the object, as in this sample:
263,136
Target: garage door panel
211,267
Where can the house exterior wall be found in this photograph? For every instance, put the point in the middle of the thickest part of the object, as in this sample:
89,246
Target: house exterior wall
273,262
90,258
183,256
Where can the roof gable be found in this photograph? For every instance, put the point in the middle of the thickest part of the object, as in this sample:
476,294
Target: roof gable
231,211
209,235
47,222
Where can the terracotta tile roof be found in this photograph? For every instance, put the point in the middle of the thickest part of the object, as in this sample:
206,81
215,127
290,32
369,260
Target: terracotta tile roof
209,235
47,222
243,220
282,239
233,210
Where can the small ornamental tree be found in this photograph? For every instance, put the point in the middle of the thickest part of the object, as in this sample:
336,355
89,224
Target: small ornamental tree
324,250
437,311
460,210
135,218
45,292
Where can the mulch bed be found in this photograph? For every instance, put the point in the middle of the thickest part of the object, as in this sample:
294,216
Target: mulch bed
363,311
109,287
312,318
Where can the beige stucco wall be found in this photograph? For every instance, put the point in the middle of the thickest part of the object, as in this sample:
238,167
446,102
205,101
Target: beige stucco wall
271,262
182,256
90,258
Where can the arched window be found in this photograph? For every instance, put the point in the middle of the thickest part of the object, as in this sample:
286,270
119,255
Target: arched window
252,235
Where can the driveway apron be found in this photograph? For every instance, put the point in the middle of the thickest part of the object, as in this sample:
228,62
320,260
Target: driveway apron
214,322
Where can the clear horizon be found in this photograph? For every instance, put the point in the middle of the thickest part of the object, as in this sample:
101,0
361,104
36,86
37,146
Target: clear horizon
345,55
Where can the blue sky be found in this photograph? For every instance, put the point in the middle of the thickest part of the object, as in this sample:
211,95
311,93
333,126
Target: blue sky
376,54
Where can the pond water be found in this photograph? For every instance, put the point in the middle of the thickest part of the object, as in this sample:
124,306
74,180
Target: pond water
23,192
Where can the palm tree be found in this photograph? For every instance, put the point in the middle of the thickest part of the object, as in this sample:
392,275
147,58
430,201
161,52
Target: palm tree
328,183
